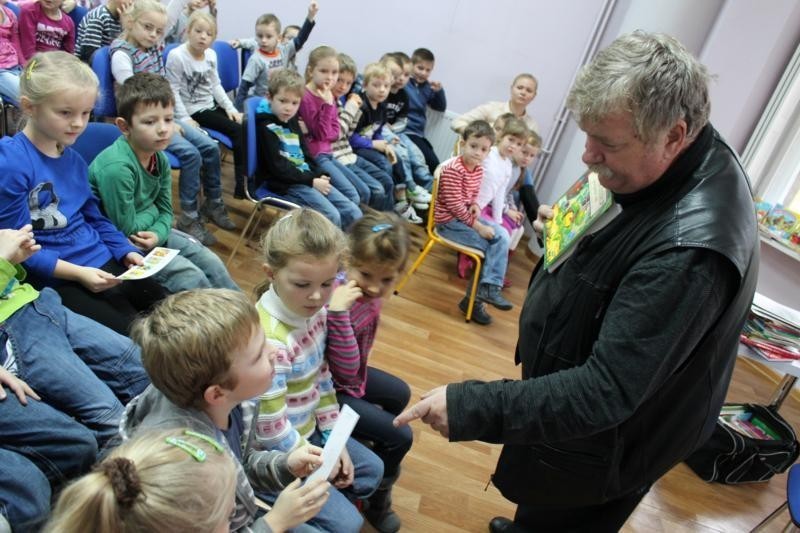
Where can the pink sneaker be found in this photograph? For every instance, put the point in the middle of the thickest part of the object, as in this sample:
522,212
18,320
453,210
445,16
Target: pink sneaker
465,266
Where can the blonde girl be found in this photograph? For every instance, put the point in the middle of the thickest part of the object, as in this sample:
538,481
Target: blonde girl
319,112
522,92
177,481
200,99
302,254
378,252
45,184
140,49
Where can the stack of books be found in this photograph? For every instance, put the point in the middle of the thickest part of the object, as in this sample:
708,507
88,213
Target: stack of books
772,330
739,419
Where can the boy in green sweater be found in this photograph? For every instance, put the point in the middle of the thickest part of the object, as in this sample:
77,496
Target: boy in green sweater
133,180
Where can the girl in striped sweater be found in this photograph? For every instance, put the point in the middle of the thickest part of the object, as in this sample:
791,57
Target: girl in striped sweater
378,252
303,252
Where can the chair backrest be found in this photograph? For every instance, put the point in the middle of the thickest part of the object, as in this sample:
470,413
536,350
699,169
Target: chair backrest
227,65
13,7
106,105
250,106
77,14
95,138
246,53
167,49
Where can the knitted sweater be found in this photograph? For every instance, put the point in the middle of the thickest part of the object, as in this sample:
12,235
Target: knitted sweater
301,398
349,114
322,122
133,199
350,338
458,190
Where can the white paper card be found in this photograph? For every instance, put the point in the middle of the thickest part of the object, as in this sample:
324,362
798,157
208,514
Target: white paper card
336,443
157,259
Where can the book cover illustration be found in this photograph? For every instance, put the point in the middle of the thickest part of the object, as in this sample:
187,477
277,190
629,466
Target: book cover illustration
579,208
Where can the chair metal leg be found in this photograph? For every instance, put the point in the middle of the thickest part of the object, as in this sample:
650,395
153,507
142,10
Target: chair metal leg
474,292
774,514
415,266
242,236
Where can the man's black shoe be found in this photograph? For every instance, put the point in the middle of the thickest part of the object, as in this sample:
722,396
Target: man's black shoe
501,524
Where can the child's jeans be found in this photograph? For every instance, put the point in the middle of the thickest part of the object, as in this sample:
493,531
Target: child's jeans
338,514
427,150
411,158
196,267
334,206
495,250
9,84
195,151
343,179
379,182
76,365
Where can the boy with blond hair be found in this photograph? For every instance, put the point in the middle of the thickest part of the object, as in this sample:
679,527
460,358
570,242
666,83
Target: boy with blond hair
133,180
209,361
422,94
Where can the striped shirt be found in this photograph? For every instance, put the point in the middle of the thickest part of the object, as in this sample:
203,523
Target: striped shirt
458,190
350,338
149,60
97,29
301,398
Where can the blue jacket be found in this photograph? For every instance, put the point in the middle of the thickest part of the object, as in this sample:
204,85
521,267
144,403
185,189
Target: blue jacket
420,96
53,195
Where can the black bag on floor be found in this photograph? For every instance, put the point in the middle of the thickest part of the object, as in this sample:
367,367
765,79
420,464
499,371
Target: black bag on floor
731,457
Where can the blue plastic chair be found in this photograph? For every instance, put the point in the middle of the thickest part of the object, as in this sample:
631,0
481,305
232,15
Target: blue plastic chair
265,196
227,65
246,53
13,7
106,105
77,14
95,138
792,501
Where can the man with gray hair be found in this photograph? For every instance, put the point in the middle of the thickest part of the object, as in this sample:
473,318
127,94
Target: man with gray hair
627,348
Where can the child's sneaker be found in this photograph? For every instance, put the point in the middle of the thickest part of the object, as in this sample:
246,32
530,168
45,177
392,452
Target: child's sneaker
195,228
406,211
418,197
479,314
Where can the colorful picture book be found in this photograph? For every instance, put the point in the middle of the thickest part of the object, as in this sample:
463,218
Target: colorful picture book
157,259
772,330
587,204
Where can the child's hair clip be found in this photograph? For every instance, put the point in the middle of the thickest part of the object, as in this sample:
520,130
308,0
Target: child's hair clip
210,440
377,228
31,66
198,454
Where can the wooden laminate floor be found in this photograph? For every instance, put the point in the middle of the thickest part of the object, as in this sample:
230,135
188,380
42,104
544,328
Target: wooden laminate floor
424,340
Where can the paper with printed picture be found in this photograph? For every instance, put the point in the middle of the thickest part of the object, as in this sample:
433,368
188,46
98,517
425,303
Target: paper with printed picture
157,259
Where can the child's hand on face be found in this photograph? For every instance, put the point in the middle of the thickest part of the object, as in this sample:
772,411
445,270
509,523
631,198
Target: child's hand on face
343,476
344,296
144,240
297,504
96,280
436,86
235,116
304,460
17,245
322,184
313,9
124,9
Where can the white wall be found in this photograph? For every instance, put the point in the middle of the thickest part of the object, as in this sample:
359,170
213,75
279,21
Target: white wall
479,46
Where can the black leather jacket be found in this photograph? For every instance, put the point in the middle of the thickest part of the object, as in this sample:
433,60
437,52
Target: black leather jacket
628,348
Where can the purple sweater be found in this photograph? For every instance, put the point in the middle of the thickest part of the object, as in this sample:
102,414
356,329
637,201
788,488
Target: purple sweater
322,122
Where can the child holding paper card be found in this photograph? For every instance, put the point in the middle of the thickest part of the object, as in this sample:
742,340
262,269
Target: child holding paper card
303,253
45,184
